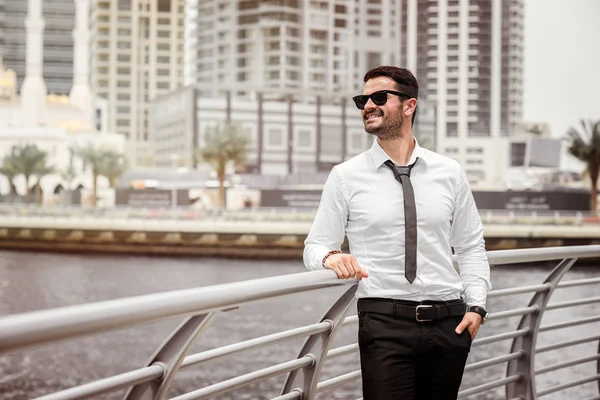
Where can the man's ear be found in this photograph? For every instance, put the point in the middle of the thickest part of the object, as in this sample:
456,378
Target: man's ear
410,106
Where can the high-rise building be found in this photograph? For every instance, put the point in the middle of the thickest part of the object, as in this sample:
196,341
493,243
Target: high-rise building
2,33
468,57
137,55
466,54
59,22
292,45
190,33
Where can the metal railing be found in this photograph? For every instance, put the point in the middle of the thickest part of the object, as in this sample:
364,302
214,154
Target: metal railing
304,379
502,217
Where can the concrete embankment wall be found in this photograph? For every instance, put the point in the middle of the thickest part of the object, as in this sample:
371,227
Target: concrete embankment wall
212,237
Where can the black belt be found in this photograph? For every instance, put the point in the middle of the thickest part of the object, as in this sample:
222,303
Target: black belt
421,312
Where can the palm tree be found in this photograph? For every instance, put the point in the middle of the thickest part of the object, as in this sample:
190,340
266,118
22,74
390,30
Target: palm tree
27,159
41,169
228,143
92,158
535,129
104,162
112,167
10,171
585,146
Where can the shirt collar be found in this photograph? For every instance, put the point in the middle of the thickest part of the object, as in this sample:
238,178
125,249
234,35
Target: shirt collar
379,156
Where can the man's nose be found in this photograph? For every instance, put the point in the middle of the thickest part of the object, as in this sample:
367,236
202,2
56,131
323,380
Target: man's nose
369,105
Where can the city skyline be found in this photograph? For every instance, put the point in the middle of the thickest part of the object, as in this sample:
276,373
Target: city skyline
550,29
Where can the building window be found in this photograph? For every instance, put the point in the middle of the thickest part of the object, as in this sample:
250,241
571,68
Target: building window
124,4
373,60
275,137
303,138
474,161
517,154
475,175
474,150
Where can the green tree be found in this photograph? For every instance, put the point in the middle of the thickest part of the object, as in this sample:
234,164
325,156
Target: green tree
227,143
105,162
112,166
40,170
27,160
584,145
9,170
535,129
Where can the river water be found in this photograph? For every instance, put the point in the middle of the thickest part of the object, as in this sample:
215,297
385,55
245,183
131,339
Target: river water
39,281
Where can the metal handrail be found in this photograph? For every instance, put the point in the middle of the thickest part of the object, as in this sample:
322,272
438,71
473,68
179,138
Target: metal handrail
279,213
39,327
568,324
60,323
490,385
568,385
494,361
66,322
242,380
567,343
570,363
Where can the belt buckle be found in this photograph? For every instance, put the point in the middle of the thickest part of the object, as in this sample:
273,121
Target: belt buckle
417,312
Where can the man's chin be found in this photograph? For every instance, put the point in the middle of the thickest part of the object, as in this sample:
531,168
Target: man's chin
371,128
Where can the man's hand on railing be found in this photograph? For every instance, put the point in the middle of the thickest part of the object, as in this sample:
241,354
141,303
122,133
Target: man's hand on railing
345,266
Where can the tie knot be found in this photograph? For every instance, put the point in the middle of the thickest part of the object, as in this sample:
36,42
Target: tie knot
399,170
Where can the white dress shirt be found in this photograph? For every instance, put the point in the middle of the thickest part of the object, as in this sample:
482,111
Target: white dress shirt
363,201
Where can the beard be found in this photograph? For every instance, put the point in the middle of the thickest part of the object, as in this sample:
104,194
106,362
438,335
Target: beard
387,127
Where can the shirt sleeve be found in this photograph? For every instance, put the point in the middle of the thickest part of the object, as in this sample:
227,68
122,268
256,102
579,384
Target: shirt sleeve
466,236
329,226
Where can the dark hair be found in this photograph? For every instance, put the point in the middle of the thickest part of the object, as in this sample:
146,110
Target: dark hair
405,80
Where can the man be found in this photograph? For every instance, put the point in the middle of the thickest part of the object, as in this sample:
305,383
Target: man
415,330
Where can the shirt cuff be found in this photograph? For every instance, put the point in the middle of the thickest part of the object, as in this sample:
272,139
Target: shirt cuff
316,259
476,296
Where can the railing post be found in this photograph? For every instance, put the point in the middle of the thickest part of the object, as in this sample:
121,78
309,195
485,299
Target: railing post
598,367
525,366
305,380
170,355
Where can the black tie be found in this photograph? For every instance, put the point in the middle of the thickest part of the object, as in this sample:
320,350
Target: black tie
402,174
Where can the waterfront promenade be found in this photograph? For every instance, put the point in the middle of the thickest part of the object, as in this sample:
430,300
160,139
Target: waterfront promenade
261,233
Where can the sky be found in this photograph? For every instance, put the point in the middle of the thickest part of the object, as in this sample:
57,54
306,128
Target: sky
562,64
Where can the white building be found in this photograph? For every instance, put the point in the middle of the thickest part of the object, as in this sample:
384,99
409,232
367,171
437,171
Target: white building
54,123
286,137
137,55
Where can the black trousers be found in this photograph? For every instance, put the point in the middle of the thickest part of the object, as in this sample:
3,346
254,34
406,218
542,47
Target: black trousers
402,359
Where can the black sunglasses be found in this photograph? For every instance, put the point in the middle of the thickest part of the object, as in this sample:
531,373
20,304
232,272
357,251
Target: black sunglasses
379,98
